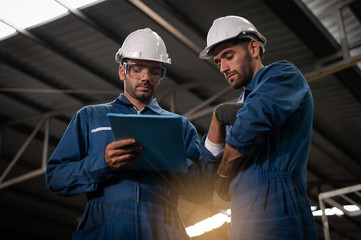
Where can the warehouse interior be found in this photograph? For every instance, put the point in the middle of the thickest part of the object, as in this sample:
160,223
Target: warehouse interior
50,70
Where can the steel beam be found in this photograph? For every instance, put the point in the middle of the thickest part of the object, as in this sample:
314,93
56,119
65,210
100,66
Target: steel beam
327,197
21,150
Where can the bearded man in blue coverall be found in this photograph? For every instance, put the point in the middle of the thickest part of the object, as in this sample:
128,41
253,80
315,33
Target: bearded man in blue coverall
263,148
121,203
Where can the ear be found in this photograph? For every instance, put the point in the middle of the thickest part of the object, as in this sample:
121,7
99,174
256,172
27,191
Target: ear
253,48
121,72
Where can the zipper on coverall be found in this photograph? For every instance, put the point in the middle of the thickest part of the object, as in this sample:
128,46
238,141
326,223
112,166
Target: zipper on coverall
137,194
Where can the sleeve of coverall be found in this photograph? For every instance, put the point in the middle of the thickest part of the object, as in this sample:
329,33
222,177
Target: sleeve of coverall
70,171
195,184
275,97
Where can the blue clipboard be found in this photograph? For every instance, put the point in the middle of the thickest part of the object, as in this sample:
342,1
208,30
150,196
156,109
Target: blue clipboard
161,137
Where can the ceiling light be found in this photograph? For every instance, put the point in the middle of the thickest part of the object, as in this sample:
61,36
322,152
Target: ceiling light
21,14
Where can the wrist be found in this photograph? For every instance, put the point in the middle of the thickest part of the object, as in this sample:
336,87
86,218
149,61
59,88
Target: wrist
214,148
221,175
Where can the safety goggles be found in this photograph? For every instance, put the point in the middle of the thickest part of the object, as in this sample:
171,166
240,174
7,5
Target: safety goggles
138,71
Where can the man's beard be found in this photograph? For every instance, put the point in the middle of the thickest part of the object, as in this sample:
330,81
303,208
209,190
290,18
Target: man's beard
247,70
143,97
140,95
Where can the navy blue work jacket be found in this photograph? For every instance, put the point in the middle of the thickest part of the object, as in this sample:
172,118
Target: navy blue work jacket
123,204
273,131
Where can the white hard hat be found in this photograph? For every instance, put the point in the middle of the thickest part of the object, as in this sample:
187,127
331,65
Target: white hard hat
143,44
225,28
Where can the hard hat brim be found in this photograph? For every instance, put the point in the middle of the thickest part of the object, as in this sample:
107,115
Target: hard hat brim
207,54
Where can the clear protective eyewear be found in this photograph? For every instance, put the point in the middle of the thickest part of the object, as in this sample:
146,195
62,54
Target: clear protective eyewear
138,71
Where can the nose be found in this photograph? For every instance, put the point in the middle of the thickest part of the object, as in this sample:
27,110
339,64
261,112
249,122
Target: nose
146,75
223,67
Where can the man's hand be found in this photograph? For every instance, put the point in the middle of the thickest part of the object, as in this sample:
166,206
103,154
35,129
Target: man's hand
221,186
120,153
227,170
226,113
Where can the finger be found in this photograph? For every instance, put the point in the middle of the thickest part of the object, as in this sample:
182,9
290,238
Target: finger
127,143
123,160
132,148
120,154
121,144
125,150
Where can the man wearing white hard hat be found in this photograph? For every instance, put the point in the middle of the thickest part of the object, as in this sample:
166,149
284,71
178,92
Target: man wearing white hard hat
263,140
123,203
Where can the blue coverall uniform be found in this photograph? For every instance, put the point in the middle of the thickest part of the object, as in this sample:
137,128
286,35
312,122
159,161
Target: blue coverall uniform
273,131
122,204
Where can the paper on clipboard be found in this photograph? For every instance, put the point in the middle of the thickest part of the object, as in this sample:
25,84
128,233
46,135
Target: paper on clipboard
160,135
